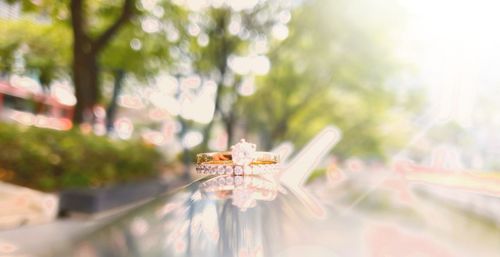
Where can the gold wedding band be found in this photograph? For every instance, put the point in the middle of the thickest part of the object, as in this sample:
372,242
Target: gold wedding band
226,158
243,159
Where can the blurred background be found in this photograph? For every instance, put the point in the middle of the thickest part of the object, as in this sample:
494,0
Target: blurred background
95,93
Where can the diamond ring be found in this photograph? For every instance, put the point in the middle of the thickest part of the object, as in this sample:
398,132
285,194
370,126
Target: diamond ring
243,159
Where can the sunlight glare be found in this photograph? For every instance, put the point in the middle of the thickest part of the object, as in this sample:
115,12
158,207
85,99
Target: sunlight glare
455,44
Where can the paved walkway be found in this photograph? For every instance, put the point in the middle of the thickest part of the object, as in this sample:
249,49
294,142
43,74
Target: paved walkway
36,239
30,239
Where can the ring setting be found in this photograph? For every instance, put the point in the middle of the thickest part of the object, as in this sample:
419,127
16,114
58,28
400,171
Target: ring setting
243,159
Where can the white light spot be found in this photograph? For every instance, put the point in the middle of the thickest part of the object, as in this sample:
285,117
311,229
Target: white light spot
216,3
154,137
239,5
149,4
258,65
210,87
63,93
234,26
261,65
172,32
247,88
260,46
135,44
239,65
167,84
193,29
168,103
196,5
150,25
284,17
190,82
203,40
279,31
158,12
192,139
124,128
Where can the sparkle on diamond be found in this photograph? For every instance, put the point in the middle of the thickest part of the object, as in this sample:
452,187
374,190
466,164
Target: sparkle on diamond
243,152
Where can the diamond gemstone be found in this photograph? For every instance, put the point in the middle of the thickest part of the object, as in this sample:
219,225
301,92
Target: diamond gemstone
238,180
238,170
229,170
243,152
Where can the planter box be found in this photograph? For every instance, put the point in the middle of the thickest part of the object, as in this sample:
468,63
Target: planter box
97,200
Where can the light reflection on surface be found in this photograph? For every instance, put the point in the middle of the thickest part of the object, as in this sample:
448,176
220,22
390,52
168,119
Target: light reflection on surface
412,212
244,192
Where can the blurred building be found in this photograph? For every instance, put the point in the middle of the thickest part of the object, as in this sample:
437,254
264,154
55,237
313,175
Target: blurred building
21,102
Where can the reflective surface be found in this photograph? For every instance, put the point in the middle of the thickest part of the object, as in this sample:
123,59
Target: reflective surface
258,217
220,216
357,212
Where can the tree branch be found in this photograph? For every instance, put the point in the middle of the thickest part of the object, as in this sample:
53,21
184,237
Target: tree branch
78,20
106,36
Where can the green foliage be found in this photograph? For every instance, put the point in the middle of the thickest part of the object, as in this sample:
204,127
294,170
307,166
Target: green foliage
46,29
332,69
45,47
222,32
152,54
51,160
316,174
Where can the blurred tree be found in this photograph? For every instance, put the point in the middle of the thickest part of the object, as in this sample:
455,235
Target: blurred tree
39,45
93,25
332,69
139,47
226,45
87,45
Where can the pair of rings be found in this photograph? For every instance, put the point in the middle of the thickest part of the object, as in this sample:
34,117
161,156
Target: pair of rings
243,159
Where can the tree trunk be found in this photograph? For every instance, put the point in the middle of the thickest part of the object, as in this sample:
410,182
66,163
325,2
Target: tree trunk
225,50
277,134
186,157
84,66
85,78
85,54
119,75
229,124
229,131
206,135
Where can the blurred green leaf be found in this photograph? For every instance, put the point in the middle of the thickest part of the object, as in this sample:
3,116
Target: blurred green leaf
51,160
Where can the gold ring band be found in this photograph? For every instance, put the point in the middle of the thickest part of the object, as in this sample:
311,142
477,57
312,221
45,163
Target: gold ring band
242,160
226,158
